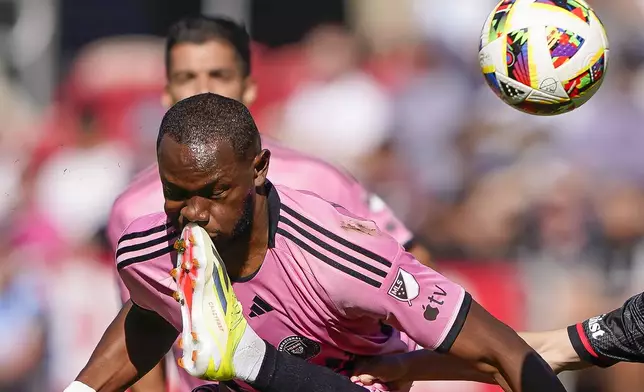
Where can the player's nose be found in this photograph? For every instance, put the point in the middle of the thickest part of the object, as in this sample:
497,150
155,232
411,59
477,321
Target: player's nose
196,211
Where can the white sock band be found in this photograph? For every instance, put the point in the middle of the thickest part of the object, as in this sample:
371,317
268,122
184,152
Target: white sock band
78,386
249,355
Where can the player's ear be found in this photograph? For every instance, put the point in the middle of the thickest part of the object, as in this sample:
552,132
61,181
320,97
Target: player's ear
260,165
166,98
250,92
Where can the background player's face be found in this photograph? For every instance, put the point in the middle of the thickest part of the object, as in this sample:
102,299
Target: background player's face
209,186
211,67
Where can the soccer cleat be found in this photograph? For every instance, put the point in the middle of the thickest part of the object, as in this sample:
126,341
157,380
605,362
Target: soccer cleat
213,323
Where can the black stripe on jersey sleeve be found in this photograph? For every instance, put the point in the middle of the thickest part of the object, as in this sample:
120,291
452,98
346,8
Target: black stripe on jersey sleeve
146,257
143,245
145,233
329,248
328,260
459,321
336,238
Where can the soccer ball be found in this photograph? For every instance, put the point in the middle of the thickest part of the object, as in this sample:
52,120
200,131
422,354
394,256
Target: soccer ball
543,57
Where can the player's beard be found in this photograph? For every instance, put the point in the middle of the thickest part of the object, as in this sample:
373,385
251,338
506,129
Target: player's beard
243,227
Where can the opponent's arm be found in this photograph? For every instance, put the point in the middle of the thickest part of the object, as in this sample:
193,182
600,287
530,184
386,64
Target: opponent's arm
556,349
614,337
133,344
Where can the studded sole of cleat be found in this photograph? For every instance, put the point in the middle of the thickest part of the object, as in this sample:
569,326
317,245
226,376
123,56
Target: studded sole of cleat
196,287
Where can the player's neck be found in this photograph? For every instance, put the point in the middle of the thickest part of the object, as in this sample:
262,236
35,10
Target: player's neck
246,257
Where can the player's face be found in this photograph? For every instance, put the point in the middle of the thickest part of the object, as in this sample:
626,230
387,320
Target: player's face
216,191
211,67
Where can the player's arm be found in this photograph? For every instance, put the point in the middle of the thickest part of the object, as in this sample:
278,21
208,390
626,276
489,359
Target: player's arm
422,365
601,341
486,341
556,349
132,345
154,380
439,315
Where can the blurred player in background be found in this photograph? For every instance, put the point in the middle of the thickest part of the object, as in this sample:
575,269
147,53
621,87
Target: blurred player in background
213,55
337,286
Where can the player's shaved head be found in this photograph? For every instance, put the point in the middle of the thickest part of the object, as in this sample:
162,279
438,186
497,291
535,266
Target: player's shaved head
202,122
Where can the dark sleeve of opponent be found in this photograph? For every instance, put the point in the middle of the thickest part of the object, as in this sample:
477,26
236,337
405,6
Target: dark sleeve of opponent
614,337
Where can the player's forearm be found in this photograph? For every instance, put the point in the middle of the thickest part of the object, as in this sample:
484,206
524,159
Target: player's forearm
109,368
525,371
486,340
128,350
154,381
426,365
556,349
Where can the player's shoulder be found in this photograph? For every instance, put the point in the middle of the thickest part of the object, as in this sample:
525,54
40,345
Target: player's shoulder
133,200
306,218
142,196
146,238
313,166
143,181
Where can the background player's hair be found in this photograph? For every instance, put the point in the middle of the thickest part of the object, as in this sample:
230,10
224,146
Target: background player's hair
206,119
201,29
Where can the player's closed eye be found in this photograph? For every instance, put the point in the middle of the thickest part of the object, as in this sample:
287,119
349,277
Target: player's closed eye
173,194
183,77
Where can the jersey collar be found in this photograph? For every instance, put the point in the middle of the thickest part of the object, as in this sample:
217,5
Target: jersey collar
274,206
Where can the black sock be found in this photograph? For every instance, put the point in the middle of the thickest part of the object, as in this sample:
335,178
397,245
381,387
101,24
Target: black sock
282,372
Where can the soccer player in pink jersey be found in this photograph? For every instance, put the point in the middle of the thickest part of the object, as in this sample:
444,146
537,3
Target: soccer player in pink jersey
314,280
213,55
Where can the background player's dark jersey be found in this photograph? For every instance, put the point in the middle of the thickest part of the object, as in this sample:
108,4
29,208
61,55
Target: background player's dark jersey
613,337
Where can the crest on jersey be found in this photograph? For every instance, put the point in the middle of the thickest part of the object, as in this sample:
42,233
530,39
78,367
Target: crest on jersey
300,347
405,287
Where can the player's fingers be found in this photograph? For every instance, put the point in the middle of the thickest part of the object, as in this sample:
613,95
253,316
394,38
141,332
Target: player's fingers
364,379
380,368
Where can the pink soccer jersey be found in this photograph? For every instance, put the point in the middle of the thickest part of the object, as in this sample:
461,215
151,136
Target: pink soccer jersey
298,171
331,286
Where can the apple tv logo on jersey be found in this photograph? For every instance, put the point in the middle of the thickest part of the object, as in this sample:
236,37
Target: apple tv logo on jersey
430,312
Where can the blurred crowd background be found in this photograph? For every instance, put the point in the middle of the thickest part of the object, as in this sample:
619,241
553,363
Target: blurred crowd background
542,219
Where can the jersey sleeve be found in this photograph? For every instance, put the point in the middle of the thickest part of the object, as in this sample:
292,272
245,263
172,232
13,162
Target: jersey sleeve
612,337
116,225
143,261
414,299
